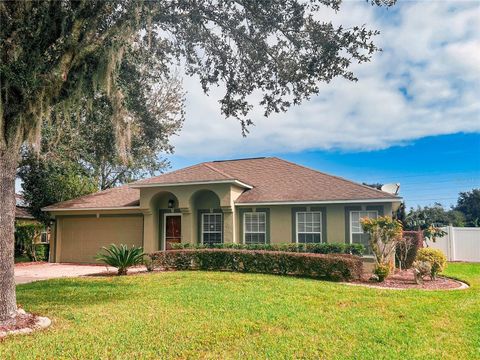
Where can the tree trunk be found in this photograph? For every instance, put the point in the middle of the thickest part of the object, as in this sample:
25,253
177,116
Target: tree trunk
8,167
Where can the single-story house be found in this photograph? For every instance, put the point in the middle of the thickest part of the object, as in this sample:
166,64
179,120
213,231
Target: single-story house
22,210
23,215
257,200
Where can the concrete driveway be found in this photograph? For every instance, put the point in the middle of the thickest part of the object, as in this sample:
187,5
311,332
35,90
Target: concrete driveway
25,273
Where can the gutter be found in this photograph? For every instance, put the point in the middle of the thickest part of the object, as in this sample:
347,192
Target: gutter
314,202
92,209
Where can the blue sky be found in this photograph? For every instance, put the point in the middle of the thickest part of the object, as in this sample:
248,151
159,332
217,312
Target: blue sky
413,117
429,169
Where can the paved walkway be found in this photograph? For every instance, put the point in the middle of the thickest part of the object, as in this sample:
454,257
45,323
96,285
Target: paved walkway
26,273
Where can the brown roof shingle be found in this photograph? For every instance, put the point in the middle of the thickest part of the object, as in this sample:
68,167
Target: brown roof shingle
277,180
111,198
22,212
199,172
272,179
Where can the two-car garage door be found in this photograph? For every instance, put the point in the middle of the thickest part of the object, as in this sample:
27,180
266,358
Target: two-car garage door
79,239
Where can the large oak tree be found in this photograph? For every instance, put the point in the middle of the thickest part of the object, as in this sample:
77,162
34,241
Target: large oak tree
57,54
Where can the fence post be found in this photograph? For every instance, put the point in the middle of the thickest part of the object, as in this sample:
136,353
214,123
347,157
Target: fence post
451,242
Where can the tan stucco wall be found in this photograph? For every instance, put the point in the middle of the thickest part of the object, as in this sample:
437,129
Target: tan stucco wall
80,238
281,220
145,229
188,200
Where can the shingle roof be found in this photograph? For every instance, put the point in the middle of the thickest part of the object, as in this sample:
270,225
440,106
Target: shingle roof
116,197
199,172
22,212
277,180
272,179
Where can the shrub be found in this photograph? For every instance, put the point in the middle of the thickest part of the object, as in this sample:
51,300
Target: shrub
121,257
407,248
25,235
42,251
384,233
329,267
382,272
435,257
149,264
324,248
420,270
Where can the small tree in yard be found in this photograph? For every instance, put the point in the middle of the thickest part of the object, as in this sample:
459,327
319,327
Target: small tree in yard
404,246
385,233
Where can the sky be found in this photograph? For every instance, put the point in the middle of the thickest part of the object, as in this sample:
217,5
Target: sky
413,117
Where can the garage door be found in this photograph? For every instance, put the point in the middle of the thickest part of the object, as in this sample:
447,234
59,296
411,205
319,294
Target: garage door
81,238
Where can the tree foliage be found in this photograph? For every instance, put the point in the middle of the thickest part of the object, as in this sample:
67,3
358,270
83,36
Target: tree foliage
377,186
436,215
25,236
48,181
87,142
57,53
468,203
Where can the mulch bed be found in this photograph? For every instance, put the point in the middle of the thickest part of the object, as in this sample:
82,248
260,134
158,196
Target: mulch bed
112,272
405,280
21,321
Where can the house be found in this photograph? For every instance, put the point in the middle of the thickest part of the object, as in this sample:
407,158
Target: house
257,200
23,215
22,210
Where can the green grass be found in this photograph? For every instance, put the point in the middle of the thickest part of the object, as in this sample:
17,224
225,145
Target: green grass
229,315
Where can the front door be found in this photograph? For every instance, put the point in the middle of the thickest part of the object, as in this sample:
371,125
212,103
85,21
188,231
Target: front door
173,230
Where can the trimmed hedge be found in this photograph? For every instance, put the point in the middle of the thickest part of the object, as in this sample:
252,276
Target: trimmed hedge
324,248
320,266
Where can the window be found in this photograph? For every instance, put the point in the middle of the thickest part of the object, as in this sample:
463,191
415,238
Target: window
309,227
255,228
44,237
357,236
212,228
356,216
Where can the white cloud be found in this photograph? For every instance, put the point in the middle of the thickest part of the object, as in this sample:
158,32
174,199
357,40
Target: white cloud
425,82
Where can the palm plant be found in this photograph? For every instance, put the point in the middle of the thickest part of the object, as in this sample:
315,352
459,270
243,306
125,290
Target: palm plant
121,257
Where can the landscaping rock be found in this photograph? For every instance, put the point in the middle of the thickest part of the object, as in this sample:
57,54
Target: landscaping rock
23,323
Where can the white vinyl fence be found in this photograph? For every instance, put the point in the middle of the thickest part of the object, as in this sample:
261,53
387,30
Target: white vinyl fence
459,244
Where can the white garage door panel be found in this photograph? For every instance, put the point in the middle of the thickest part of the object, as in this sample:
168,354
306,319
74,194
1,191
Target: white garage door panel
83,237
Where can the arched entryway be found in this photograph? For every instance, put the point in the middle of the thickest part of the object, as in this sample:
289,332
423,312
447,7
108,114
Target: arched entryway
205,205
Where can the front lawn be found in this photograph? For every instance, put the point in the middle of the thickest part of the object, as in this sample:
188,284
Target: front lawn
231,315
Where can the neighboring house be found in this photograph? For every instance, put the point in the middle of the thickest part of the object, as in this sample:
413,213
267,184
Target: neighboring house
24,216
259,200
22,211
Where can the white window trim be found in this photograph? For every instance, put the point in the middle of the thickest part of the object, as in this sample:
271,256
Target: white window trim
312,232
46,237
254,232
165,228
350,222
212,232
